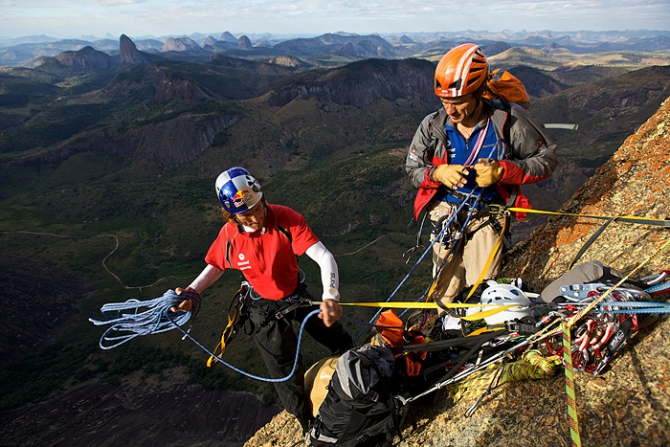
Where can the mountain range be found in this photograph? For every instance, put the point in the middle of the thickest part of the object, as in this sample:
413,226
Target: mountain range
107,192
336,48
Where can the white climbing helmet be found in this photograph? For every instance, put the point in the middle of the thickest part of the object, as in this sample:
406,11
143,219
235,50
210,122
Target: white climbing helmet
238,190
503,295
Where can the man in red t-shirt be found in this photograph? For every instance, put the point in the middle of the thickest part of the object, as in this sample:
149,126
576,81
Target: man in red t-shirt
263,242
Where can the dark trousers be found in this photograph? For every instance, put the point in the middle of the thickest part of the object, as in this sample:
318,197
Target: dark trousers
277,343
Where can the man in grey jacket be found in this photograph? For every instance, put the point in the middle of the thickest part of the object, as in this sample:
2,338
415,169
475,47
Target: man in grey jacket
478,151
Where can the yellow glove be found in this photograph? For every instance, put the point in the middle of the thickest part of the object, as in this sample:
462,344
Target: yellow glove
451,176
488,172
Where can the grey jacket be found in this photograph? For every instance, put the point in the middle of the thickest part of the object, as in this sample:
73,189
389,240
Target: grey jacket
524,151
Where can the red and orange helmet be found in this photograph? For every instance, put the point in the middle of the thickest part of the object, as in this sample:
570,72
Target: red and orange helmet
461,71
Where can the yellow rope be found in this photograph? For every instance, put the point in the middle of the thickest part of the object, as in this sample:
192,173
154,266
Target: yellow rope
633,219
532,365
570,388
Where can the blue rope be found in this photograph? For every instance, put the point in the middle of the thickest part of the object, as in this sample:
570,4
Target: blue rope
630,307
252,376
640,310
153,320
159,318
437,237
658,287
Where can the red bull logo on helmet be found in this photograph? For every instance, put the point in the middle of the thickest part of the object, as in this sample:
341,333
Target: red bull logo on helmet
241,197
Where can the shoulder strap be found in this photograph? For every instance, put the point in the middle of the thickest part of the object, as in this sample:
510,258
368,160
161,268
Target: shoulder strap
229,245
285,232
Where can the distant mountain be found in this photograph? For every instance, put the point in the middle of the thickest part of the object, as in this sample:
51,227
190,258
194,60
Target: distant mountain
362,46
339,48
129,54
227,37
360,84
180,44
85,59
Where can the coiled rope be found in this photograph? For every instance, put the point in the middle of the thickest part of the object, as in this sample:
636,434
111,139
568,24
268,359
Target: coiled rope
153,320
158,317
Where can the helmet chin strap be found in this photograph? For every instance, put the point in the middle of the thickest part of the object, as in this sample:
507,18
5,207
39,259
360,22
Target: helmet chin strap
249,229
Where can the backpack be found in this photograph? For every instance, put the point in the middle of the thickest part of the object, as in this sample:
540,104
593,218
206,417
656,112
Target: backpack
507,87
359,410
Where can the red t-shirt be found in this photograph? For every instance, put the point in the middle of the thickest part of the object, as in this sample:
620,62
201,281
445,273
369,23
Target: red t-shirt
266,259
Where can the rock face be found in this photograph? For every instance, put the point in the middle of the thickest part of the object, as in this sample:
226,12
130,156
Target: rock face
633,182
86,58
628,405
180,44
129,54
244,43
360,84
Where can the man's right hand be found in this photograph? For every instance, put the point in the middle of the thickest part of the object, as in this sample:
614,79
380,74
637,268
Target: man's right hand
451,176
191,300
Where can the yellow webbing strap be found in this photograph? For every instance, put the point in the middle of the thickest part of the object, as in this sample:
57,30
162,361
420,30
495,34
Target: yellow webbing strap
225,336
230,327
432,305
489,261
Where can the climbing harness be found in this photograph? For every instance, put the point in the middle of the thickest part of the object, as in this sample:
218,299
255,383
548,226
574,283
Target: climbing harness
218,358
240,314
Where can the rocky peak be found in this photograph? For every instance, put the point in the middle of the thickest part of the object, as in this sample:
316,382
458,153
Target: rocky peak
86,58
227,37
244,43
209,41
129,54
625,406
180,44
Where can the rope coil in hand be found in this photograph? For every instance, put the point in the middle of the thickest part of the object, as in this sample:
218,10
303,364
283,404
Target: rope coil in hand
157,317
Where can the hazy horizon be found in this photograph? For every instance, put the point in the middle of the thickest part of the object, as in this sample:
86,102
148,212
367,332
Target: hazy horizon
63,19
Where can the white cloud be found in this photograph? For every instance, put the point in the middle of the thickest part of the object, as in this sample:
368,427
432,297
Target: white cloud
165,17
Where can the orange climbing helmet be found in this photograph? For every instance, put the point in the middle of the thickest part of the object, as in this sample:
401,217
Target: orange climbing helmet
461,71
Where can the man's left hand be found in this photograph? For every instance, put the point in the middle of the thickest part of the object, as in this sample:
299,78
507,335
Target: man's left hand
488,172
331,311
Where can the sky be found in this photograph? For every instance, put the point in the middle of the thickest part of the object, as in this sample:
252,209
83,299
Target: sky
156,18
